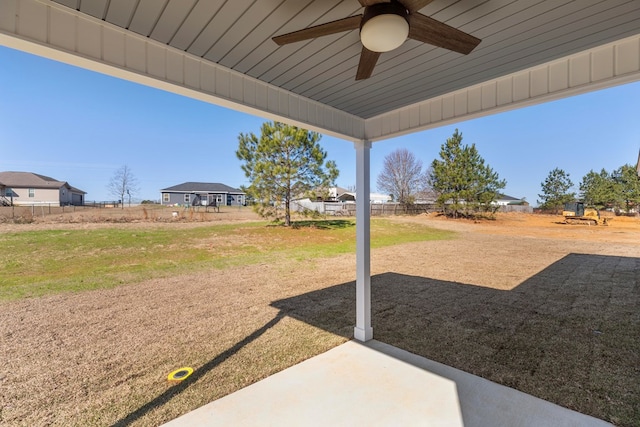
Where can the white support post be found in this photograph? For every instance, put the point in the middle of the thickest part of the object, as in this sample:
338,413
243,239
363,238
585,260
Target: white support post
363,330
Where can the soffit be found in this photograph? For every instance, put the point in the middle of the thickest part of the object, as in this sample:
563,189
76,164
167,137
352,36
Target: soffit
236,34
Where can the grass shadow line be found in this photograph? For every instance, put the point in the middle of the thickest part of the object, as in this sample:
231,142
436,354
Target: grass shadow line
196,375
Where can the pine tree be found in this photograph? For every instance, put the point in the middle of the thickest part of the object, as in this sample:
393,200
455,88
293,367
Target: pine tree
555,190
463,183
598,189
282,162
627,184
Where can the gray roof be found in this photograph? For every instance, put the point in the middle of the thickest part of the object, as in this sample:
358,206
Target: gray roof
76,190
201,187
32,180
505,197
340,190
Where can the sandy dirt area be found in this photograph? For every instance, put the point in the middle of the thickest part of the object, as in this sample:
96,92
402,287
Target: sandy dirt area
547,308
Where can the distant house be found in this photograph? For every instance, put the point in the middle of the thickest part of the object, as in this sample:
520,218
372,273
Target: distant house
504,200
379,198
339,194
28,188
331,194
202,194
347,196
373,197
333,199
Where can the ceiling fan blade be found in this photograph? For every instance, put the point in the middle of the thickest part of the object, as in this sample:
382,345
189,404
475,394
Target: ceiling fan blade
414,5
428,30
346,24
366,3
367,62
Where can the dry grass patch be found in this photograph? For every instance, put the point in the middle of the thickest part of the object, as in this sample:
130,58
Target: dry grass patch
44,261
550,311
101,357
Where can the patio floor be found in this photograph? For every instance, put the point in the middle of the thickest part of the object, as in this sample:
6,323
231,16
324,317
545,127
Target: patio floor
378,384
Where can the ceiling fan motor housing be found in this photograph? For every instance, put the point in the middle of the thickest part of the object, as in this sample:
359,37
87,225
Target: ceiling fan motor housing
384,26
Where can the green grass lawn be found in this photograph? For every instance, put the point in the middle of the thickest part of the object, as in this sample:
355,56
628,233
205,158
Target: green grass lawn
35,263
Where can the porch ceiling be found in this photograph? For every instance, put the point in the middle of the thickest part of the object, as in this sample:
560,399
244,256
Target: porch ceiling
221,51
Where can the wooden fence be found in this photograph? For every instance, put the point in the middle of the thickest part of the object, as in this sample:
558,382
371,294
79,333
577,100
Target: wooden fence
375,209
386,209
44,209
516,208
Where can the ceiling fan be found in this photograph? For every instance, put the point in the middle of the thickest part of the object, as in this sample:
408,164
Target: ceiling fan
384,26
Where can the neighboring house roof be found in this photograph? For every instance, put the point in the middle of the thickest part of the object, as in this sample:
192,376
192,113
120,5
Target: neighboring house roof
340,191
506,198
509,200
33,180
204,187
347,196
76,190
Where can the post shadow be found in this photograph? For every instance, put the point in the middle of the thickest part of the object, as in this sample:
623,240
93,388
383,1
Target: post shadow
196,375
568,334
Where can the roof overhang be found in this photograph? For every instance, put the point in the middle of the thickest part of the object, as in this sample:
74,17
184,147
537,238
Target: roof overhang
569,49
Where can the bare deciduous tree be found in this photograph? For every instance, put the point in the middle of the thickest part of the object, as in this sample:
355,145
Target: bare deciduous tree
401,176
122,183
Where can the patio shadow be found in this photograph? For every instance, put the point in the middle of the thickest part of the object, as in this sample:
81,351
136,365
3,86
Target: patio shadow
568,335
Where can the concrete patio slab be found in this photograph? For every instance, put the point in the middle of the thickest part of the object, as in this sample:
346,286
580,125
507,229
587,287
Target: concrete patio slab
375,384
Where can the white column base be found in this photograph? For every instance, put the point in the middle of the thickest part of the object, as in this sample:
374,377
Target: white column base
363,335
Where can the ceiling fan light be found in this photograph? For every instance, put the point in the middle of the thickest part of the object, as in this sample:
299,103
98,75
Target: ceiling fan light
385,32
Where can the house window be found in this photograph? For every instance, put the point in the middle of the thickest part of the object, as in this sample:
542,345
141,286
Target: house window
165,197
218,199
8,192
32,192
241,199
187,198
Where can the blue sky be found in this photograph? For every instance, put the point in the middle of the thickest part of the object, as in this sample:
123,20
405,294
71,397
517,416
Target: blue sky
79,126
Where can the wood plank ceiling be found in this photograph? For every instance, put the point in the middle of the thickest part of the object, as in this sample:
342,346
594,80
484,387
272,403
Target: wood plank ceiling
516,34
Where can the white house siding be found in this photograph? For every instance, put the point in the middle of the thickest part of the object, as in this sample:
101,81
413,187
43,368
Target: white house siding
379,198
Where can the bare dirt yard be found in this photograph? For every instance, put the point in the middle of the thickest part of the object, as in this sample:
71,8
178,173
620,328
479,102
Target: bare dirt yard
549,309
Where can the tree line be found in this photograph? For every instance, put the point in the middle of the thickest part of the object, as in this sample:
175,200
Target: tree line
285,161
618,190
460,182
